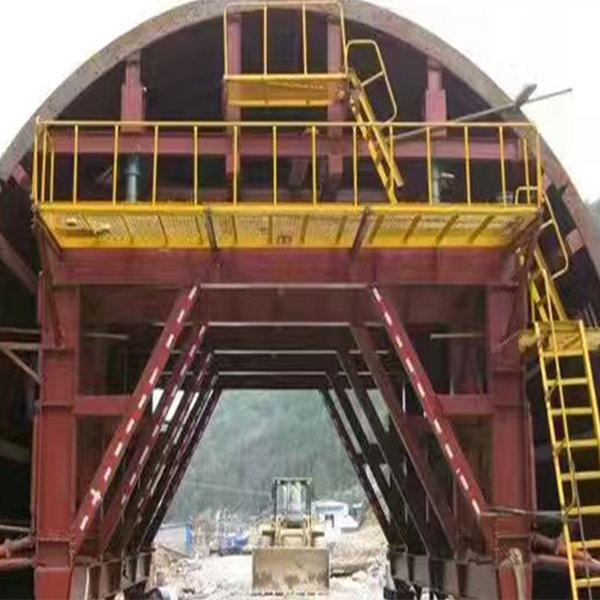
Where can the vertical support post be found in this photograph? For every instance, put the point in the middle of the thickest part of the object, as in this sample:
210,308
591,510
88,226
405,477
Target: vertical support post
56,464
512,481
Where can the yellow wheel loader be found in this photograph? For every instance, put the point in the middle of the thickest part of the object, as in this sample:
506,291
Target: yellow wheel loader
288,560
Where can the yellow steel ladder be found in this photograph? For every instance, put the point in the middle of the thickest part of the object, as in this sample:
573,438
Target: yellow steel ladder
573,421
380,143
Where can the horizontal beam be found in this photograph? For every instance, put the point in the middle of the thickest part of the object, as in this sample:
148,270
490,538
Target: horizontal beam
417,305
325,268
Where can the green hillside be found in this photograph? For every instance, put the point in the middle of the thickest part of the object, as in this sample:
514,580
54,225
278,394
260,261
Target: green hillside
255,436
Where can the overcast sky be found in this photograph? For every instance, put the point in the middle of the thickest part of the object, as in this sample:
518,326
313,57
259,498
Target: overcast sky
553,43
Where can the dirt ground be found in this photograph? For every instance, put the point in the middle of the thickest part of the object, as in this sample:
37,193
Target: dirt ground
357,562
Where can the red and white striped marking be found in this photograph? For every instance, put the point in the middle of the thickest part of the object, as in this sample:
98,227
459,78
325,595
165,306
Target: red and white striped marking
114,453
431,407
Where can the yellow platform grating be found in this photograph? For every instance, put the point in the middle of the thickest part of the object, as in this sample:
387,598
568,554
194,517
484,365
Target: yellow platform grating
172,226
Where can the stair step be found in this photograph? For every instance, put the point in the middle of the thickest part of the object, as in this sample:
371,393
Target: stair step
571,412
581,476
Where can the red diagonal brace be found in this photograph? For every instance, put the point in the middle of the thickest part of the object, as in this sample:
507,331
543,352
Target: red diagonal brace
442,428
171,480
128,426
179,425
150,437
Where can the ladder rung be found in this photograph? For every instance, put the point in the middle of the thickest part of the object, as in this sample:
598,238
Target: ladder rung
583,444
581,476
591,582
568,382
587,545
571,412
562,354
584,511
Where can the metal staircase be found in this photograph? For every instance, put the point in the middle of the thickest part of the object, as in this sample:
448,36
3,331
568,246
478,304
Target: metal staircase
380,143
573,422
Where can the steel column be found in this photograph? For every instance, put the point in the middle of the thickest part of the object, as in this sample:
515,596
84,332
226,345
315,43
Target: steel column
147,443
130,422
56,457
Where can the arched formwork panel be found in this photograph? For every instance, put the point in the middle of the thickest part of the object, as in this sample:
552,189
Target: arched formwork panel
462,308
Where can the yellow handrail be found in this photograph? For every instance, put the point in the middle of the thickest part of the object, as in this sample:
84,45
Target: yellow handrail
264,5
72,139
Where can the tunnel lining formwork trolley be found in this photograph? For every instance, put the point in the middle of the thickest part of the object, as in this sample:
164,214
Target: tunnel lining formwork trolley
305,210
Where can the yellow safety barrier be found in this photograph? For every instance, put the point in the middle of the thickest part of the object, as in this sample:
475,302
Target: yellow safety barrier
80,171
275,89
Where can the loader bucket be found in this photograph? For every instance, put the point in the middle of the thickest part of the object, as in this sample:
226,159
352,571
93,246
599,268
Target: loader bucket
290,571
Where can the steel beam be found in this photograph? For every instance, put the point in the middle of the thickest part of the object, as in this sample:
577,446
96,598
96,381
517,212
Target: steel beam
437,533
285,268
149,436
183,420
404,527
359,466
408,438
442,428
129,424
180,464
54,474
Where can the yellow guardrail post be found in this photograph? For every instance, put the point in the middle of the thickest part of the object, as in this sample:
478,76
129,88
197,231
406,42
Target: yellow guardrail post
355,163
467,164
196,171
539,176
274,164
313,152
75,164
155,165
502,163
235,164
52,170
34,170
44,160
526,164
115,177
428,152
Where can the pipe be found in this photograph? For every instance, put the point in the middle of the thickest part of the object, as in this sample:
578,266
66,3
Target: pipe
133,175
557,547
11,547
14,528
560,563
16,564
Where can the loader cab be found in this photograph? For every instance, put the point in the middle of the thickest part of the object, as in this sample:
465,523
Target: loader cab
292,501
